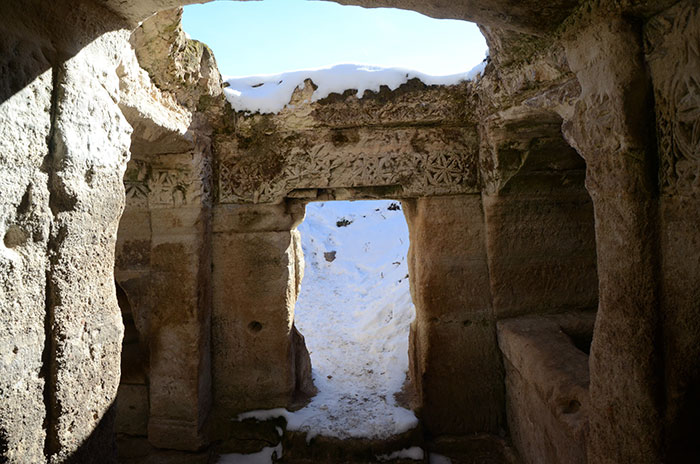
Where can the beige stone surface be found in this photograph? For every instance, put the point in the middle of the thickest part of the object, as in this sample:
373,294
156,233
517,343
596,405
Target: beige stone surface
256,349
541,253
25,218
164,249
90,143
182,67
160,124
454,334
65,194
611,128
178,327
512,218
547,385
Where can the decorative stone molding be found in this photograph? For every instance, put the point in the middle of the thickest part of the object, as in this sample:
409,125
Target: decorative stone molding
401,139
673,53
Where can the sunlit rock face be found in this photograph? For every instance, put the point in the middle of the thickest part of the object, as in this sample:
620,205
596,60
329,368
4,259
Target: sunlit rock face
65,147
563,179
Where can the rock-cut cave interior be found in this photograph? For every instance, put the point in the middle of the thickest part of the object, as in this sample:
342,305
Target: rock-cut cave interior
157,243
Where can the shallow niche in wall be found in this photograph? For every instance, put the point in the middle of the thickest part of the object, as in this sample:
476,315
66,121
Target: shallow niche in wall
355,311
132,398
133,355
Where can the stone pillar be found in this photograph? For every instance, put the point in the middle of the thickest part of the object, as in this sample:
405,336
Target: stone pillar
179,324
258,361
64,146
89,150
674,60
455,364
612,129
25,219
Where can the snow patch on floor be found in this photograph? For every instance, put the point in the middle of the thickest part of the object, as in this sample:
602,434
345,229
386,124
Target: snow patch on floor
271,93
415,453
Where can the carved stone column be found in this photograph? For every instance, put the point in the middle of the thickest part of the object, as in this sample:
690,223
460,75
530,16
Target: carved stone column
612,128
179,323
259,359
672,39
454,359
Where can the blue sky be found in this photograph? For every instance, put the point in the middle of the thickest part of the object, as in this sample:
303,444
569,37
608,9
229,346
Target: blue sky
273,36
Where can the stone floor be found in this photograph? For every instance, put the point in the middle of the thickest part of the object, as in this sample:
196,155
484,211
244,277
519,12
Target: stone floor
477,449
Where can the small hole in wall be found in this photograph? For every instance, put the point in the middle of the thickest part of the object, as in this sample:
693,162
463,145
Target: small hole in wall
255,326
572,407
15,237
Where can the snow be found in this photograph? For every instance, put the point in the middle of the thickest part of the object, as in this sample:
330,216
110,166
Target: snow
262,457
415,453
271,93
263,414
355,312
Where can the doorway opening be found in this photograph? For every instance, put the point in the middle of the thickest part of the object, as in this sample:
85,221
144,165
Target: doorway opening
132,398
355,311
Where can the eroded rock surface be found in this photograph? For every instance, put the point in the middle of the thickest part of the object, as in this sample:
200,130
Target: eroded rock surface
492,176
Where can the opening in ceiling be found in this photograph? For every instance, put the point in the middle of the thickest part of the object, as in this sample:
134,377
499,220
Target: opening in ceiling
267,49
276,36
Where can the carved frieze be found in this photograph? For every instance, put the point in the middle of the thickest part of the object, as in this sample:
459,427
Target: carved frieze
421,161
413,141
673,52
168,181
136,184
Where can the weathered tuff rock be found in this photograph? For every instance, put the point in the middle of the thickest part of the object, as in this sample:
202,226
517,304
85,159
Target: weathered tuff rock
546,363
492,178
417,140
65,147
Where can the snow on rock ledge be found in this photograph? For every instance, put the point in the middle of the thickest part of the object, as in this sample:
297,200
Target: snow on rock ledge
271,93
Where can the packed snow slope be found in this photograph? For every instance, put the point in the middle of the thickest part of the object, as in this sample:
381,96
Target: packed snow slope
354,310
271,93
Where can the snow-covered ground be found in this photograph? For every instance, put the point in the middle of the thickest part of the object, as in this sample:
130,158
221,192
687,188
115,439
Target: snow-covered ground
271,93
355,310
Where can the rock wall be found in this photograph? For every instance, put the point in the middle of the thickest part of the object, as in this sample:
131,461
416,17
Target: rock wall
25,124
258,267
164,253
673,61
65,147
612,129
546,364
538,217
504,208
454,334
